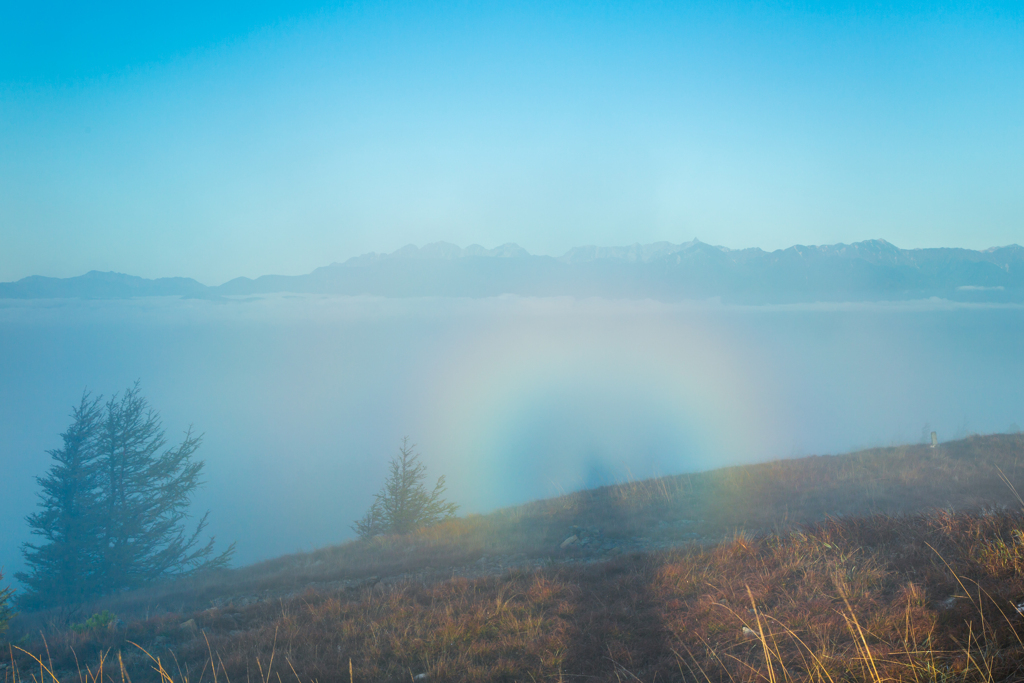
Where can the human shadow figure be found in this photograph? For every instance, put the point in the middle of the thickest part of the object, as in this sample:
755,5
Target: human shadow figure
617,633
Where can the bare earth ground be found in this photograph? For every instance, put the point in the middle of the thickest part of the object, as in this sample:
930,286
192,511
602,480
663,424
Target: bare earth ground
888,564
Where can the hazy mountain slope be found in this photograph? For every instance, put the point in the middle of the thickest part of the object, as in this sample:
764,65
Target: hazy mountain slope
873,270
865,271
97,285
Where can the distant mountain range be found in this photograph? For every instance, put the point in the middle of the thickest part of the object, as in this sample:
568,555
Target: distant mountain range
872,270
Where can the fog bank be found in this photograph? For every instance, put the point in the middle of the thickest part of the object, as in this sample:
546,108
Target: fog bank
302,399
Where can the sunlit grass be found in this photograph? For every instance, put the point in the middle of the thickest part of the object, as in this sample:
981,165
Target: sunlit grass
712,506
868,597
928,598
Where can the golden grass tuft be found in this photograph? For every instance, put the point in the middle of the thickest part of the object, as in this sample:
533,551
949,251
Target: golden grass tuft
879,592
881,598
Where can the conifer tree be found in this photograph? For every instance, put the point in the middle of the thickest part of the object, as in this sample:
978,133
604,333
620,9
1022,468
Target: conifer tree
404,504
145,493
115,505
65,569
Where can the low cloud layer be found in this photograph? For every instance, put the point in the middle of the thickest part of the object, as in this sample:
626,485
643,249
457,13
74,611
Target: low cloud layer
303,399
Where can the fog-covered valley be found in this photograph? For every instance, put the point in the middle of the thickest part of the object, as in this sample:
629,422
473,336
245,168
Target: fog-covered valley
303,399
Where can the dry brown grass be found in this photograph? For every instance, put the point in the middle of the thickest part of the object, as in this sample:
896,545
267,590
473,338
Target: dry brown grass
966,474
881,594
926,598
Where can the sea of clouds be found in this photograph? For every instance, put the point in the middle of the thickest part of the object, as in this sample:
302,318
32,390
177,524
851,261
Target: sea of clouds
302,399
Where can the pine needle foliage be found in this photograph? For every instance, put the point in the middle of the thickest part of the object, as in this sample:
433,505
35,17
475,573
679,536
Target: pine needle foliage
5,608
114,507
404,504
146,491
66,566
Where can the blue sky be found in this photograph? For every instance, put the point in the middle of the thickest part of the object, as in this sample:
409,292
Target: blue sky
255,138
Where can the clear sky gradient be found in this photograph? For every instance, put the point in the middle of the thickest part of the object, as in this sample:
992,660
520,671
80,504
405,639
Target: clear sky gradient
258,137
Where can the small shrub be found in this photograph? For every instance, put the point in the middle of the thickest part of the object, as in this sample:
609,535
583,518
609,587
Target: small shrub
404,504
96,622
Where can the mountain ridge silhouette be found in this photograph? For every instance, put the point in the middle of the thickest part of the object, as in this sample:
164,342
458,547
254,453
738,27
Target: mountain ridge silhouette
871,270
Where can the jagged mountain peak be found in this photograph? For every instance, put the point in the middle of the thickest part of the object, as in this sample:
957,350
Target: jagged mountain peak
634,253
435,250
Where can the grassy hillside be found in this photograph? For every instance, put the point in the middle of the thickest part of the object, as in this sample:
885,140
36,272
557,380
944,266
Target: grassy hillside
888,564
